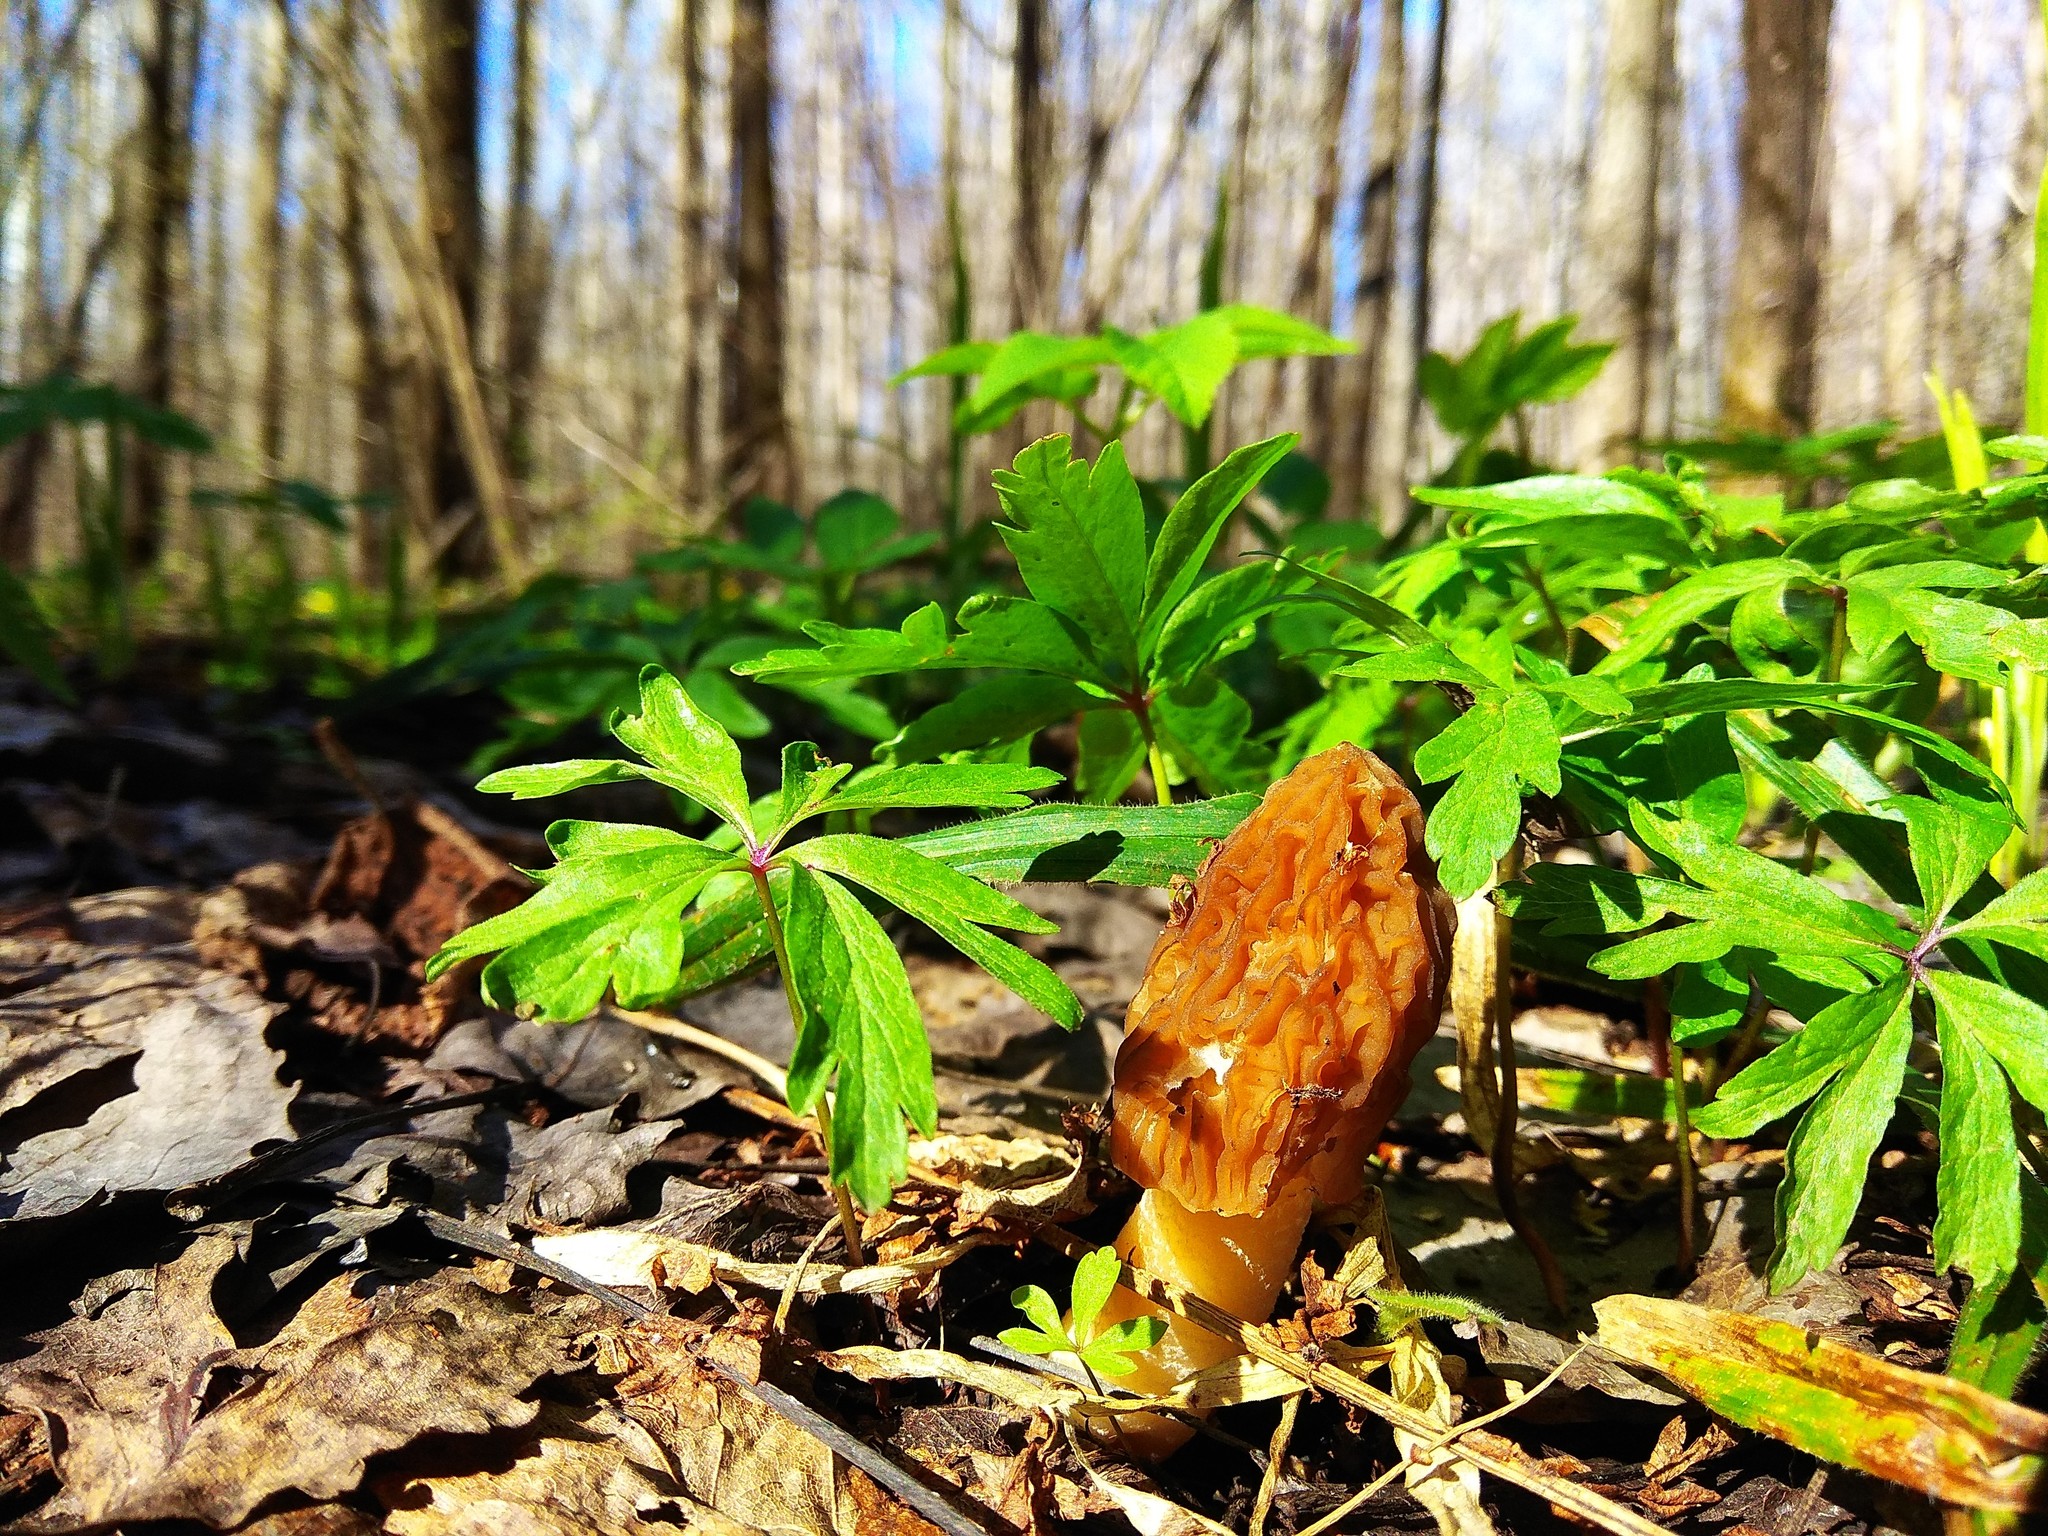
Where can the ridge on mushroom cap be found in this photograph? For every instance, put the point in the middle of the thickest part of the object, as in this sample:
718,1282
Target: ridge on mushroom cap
1281,1008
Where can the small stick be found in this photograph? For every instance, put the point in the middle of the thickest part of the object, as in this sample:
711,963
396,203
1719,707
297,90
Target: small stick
772,1077
1572,1497
1276,1452
1504,1167
796,1273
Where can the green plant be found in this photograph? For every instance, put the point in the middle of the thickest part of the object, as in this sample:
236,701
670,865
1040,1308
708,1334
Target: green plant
613,913
1108,1351
1122,628
1496,382
60,400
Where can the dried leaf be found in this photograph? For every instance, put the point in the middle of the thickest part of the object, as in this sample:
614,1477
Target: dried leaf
346,1378
1949,1440
619,1256
206,1094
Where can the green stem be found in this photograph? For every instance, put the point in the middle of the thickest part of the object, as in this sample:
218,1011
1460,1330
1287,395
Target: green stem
849,1219
1550,609
1154,758
1838,652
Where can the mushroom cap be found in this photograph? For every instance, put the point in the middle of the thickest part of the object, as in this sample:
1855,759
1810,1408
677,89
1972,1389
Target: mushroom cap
1272,1035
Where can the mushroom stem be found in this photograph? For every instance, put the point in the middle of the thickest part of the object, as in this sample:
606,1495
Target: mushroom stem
1237,1262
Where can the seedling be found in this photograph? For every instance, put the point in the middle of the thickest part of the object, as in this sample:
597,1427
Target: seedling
1109,1351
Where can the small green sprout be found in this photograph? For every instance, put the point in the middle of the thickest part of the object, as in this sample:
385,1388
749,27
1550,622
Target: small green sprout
1110,1350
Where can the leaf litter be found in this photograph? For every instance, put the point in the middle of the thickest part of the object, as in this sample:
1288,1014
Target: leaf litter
310,1243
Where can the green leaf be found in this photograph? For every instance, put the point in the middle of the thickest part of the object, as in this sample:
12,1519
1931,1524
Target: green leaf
1191,529
25,636
1030,1341
1356,601
1429,662
807,783
1270,333
1977,1222
537,781
1111,750
1833,1040
609,914
1207,728
1079,540
818,960
1504,742
878,1042
1691,600
2011,1027
1110,1353
1042,1311
1828,1158
686,749
986,715
2030,447
954,906
966,357
1026,358
2018,918
1949,851
1182,366
925,785
1117,844
1095,1277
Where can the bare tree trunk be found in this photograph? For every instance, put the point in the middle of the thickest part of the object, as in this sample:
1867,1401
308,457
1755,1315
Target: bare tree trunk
692,247
1357,450
448,159
1313,287
760,457
1780,223
1030,282
267,198
1425,217
162,206
526,285
1618,260
1905,269
379,535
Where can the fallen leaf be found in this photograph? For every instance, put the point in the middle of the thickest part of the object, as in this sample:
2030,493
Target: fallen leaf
1938,1435
590,1470
622,1256
206,1095
346,1378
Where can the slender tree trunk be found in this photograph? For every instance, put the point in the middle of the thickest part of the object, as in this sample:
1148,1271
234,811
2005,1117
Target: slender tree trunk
1312,292
1425,218
1905,267
692,247
268,200
1358,447
1781,218
1618,261
162,205
1030,281
525,293
448,156
760,457
379,534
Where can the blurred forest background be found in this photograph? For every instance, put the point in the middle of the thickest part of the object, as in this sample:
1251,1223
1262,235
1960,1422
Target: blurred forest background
555,282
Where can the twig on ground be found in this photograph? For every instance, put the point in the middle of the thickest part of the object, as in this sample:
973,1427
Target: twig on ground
1573,1498
887,1473
771,1076
1276,1453
797,1270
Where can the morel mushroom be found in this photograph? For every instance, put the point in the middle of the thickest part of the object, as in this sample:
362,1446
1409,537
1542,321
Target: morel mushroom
1268,1045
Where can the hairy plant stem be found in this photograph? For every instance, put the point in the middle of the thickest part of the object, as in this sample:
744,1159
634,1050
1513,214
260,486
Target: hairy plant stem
1154,758
849,1219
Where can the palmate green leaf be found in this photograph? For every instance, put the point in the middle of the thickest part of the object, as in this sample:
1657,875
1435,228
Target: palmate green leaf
818,959
806,784
609,915
985,786
1977,1222
2011,1027
1190,531
1182,366
1360,604
1032,1341
1043,1313
1828,1158
1027,358
1429,662
1109,1352
1691,600
1504,743
1591,899
1686,770
963,358
1778,1083
686,749
1116,844
1270,333
877,1042
1078,535
955,907
1002,632
537,781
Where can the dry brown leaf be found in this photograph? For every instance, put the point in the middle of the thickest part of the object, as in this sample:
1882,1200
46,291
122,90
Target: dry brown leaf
737,1455
346,1378
206,1094
590,1470
619,1256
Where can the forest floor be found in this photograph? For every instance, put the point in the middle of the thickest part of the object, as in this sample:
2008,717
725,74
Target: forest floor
296,1242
